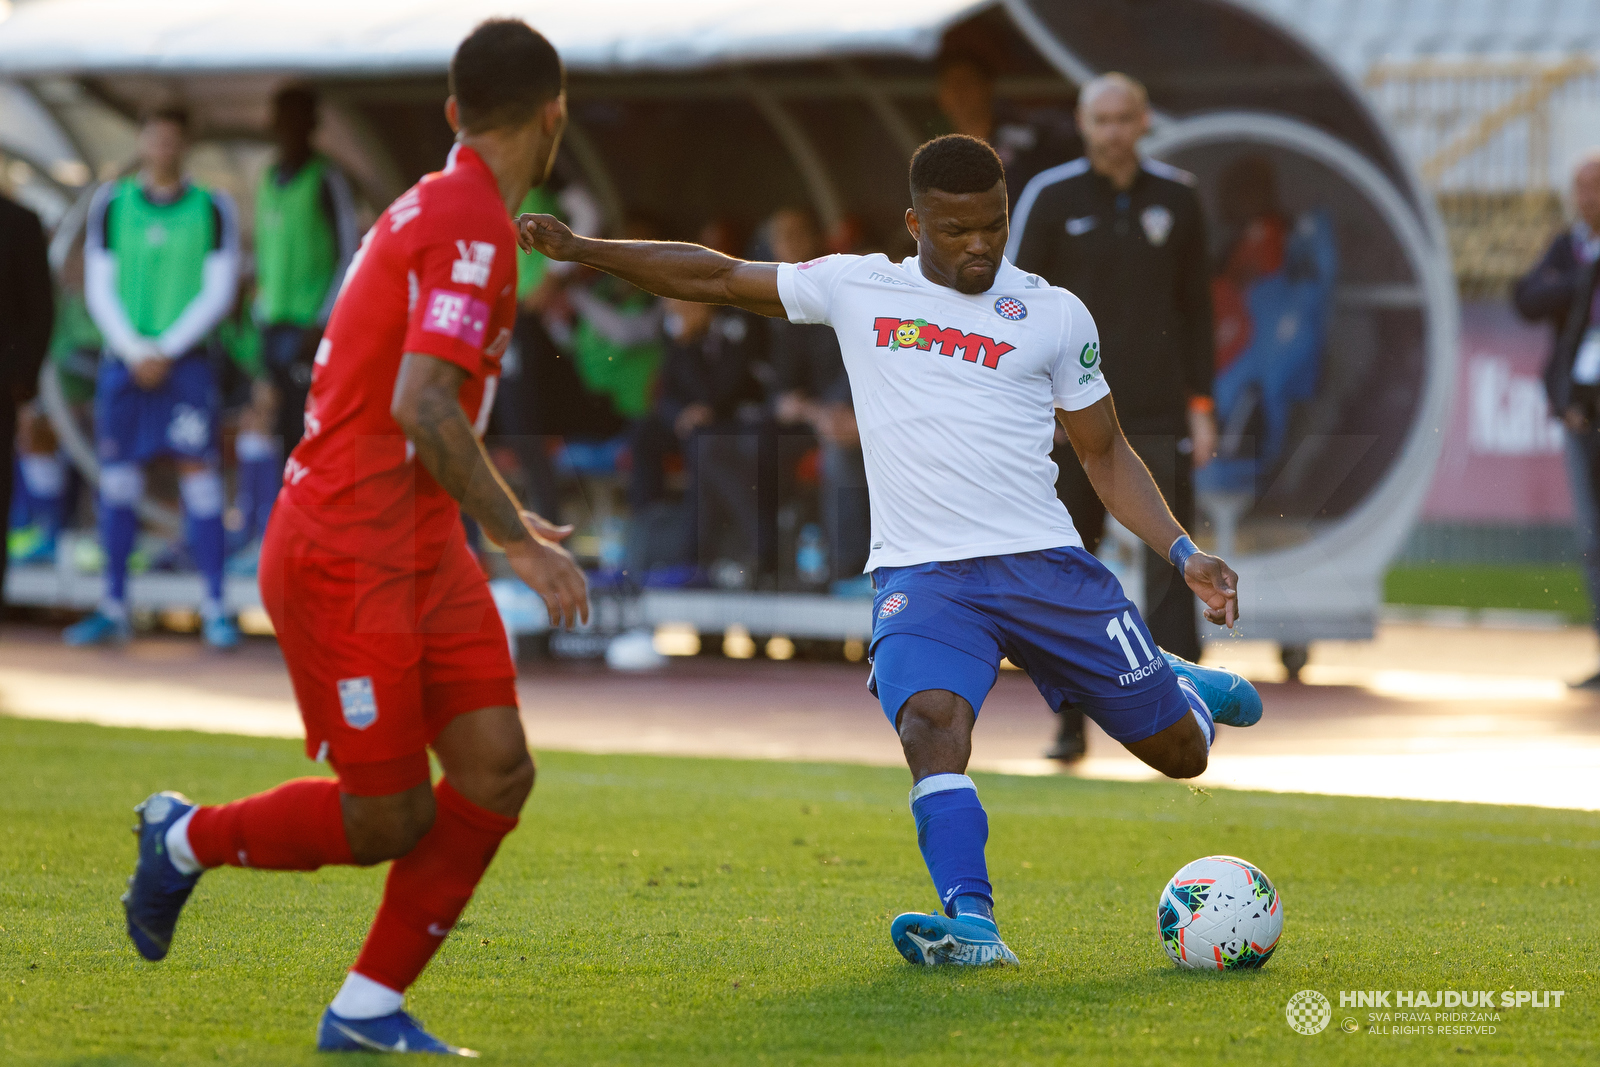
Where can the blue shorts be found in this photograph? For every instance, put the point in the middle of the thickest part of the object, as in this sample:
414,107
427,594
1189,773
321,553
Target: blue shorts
178,418
1058,614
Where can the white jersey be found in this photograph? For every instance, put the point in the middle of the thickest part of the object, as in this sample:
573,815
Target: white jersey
955,396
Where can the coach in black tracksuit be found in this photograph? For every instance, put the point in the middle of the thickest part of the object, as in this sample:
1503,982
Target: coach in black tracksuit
1128,237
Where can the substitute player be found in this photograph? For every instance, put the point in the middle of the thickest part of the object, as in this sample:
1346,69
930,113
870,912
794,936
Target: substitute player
956,359
161,269
392,640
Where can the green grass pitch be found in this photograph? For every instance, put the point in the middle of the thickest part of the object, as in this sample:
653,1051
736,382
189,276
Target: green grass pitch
675,911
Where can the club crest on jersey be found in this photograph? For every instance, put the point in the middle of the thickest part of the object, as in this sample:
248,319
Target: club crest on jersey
1157,223
473,266
893,604
358,702
1009,307
920,334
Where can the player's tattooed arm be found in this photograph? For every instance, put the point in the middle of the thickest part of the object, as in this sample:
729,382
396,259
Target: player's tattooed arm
427,407
1128,491
666,268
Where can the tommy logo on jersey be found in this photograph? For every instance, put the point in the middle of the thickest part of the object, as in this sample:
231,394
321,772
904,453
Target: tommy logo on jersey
893,604
473,266
358,702
456,315
895,334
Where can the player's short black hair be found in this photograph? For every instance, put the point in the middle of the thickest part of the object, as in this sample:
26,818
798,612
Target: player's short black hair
955,163
172,112
503,73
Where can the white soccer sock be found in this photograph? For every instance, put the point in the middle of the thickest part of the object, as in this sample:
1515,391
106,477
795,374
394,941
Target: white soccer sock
178,850
1200,711
362,998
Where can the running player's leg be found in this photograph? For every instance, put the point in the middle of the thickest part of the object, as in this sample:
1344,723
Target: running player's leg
469,695
1083,642
930,688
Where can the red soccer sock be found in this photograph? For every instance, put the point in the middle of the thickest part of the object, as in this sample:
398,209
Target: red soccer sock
299,826
428,888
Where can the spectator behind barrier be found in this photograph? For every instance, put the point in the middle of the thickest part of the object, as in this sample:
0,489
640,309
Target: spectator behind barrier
26,312
709,410
813,391
1561,290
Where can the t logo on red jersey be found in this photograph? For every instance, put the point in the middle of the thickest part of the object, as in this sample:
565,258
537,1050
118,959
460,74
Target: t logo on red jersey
896,333
456,315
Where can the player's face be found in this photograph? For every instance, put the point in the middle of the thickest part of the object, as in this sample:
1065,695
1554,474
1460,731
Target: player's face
961,236
161,147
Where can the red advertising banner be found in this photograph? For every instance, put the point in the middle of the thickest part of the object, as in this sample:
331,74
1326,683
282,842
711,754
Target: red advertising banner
1502,461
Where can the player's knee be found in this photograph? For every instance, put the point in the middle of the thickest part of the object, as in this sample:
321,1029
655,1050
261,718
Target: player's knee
934,711
517,781
202,493
121,484
1187,763
386,828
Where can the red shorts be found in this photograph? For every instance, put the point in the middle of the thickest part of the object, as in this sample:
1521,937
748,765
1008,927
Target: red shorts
382,659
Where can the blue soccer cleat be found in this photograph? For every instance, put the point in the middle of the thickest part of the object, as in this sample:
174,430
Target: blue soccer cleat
219,632
157,890
98,629
1232,700
934,940
397,1032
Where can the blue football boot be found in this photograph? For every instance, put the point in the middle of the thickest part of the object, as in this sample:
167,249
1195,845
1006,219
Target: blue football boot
933,940
1232,700
397,1032
220,632
98,629
157,890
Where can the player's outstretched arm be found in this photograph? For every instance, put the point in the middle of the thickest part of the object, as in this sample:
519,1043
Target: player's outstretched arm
666,268
1128,491
425,405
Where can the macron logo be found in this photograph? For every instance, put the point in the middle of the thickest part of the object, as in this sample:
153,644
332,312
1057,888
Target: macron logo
895,333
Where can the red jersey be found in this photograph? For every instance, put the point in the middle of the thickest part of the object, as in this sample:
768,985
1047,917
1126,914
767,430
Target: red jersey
436,274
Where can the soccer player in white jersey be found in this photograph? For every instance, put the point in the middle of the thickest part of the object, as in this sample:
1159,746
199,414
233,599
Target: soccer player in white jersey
958,363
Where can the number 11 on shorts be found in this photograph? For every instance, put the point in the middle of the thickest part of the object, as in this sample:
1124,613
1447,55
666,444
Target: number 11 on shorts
1117,632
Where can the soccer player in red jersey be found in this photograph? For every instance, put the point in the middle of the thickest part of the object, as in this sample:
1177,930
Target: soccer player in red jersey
391,637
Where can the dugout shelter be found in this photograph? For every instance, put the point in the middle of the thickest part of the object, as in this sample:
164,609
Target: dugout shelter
714,108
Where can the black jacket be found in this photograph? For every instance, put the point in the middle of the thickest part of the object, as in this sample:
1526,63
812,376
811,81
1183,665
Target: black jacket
27,302
720,369
1546,294
1138,261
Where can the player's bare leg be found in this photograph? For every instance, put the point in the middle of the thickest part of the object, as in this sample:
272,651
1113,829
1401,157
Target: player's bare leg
1179,751
935,728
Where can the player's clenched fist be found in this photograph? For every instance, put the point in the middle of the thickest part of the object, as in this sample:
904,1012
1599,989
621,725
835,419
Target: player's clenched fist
549,570
548,235
1214,582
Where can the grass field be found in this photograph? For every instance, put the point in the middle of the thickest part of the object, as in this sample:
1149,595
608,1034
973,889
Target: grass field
1524,586
680,911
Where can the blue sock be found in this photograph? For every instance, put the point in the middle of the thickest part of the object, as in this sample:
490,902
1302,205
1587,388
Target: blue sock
952,831
118,527
1199,710
21,512
202,506
260,478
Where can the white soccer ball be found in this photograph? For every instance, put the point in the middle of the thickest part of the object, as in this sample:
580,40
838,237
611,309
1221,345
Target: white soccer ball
1221,914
